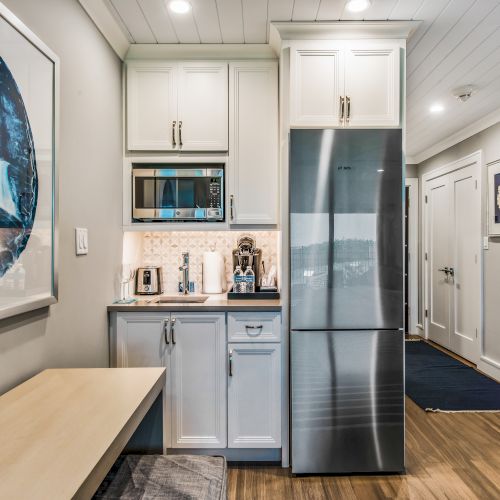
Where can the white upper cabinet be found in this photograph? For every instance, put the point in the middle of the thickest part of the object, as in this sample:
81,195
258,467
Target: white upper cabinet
345,84
317,85
203,101
198,373
151,106
177,106
253,142
372,86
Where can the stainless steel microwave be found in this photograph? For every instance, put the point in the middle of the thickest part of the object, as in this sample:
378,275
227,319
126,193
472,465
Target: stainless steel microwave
179,193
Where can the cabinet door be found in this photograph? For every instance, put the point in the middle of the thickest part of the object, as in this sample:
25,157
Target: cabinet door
372,84
316,87
151,106
198,381
254,159
254,396
203,106
141,339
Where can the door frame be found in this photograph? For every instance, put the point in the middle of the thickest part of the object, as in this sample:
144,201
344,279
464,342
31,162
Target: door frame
413,185
474,159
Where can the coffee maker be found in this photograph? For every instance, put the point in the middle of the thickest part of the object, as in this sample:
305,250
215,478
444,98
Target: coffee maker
246,254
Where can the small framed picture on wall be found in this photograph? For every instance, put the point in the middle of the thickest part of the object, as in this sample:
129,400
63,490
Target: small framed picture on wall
494,199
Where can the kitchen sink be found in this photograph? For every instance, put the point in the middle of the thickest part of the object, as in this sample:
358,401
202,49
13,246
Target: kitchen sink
166,299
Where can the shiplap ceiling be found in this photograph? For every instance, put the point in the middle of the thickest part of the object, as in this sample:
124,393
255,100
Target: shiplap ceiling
457,43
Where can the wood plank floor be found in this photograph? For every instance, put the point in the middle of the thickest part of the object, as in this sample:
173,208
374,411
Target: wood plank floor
448,456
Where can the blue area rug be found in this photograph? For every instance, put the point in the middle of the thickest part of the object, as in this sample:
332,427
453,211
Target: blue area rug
438,382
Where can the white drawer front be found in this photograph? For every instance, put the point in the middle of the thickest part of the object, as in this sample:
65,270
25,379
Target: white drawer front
254,327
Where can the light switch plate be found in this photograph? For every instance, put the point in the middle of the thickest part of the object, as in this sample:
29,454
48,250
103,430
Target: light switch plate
486,243
81,240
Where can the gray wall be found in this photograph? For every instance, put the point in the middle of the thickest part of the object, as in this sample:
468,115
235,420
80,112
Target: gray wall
488,141
73,333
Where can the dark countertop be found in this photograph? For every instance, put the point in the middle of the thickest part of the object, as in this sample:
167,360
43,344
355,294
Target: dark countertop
214,303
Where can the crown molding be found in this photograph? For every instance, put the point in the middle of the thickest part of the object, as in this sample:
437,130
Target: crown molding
463,134
200,51
107,25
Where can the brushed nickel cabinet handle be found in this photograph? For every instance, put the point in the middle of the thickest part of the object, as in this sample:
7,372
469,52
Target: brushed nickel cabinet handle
180,133
173,134
230,363
342,109
253,327
172,330
231,206
348,114
165,331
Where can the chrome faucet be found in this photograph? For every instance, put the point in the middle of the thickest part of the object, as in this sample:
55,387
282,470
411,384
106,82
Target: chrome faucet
185,273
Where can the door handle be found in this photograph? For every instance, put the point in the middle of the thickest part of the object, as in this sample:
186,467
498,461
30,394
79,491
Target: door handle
173,134
348,106
172,330
165,331
444,270
342,109
231,363
231,207
451,272
180,133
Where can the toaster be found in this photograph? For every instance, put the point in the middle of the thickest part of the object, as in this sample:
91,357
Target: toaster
148,281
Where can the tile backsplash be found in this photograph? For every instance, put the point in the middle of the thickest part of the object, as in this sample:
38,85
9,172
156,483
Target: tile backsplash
165,249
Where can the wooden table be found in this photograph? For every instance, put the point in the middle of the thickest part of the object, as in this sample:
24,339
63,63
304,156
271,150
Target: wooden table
62,430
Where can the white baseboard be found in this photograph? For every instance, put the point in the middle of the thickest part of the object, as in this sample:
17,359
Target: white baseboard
490,367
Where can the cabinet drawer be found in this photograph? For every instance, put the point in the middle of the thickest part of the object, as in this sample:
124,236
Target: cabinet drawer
254,327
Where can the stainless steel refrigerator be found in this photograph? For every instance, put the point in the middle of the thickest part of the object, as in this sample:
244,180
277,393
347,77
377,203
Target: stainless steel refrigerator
346,291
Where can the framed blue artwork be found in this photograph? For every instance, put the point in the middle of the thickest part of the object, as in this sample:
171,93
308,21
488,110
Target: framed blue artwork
494,199
29,73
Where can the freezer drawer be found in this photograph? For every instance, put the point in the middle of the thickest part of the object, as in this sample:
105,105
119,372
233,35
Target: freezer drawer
347,401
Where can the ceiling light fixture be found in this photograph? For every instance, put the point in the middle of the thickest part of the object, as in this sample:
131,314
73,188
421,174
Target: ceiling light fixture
358,5
436,108
179,6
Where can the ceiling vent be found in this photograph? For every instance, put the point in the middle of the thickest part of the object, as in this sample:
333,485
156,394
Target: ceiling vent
464,93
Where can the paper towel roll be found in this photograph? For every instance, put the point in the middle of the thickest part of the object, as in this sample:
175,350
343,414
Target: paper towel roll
213,272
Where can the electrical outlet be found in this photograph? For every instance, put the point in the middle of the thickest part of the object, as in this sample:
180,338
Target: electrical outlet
81,240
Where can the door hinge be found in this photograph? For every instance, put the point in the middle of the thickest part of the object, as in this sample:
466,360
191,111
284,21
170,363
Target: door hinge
426,313
426,199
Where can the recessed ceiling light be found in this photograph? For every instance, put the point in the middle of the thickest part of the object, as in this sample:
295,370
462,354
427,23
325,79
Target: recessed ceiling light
179,6
436,108
358,5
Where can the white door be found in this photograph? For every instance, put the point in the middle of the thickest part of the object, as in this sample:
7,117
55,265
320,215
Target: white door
151,106
465,276
203,106
316,87
254,396
254,142
372,85
453,243
199,403
438,259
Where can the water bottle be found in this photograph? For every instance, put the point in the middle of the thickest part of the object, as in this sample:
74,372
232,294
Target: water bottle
250,279
239,280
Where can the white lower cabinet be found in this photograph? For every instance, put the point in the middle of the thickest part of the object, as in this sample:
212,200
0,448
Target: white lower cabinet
192,346
198,372
254,395
218,394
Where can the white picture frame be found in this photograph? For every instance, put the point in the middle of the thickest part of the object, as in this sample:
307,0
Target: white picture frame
494,199
29,278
